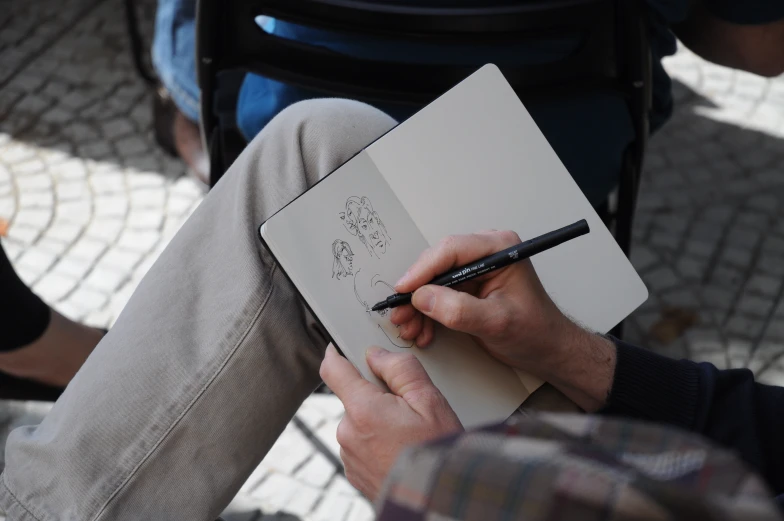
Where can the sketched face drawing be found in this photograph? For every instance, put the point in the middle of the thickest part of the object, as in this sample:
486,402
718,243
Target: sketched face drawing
363,222
343,259
372,290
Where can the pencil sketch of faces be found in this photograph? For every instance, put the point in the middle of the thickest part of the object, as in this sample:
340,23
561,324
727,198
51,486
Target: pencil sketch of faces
343,259
364,223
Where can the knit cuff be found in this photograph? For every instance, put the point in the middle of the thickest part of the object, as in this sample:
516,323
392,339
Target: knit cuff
652,387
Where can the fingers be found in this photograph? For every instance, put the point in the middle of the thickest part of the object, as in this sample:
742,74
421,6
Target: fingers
427,334
460,311
343,378
451,252
402,314
402,372
411,329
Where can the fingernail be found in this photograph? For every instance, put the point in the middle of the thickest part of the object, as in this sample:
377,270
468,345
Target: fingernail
402,280
374,351
424,300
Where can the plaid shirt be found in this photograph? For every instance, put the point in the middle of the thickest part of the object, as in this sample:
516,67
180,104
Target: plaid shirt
552,467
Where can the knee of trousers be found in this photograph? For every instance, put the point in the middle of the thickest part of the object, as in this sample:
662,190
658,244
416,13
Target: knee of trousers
326,129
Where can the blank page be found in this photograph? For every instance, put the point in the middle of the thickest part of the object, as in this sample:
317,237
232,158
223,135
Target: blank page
474,160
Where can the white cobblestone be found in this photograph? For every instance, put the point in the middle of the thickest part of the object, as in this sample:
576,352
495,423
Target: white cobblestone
54,286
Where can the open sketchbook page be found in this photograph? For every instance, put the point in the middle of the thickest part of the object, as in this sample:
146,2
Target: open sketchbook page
344,244
474,159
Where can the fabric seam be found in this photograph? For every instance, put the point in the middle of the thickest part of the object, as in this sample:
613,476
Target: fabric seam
193,402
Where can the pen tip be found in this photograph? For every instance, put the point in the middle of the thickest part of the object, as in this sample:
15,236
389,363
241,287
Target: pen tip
377,306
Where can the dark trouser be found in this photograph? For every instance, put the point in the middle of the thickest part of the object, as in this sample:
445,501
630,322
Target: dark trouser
23,316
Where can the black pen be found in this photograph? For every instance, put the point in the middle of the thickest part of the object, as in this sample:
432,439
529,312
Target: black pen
496,261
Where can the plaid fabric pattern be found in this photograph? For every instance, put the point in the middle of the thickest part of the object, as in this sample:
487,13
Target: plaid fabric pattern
573,467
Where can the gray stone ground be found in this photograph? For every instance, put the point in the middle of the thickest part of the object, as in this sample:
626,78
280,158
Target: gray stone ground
92,202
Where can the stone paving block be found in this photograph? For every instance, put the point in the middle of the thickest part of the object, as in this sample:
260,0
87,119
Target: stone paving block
661,279
138,240
54,286
302,503
771,263
7,207
700,248
108,182
78,212
661,240
106,230
105,279
681,298
144,180
31,166
745,327
693,268
131,145
738,257
773,245
23,234
36,260
276,490
110,205
117,127
701,339
329,405
87,299
72,190
290,451
331,507
121,260
311,415
755,305
145,218
73,266
743,237
361,510
773,376
87,249
37,218
727,277
53,246
43,200
317,471
63,231
150,198
33,182
255,478
71,170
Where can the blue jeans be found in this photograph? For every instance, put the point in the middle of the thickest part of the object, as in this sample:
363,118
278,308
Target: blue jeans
174,53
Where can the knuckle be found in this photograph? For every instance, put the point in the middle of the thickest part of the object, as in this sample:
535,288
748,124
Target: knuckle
500,321
344,434
509,237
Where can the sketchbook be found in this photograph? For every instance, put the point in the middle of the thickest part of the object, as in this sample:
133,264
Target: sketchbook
472,160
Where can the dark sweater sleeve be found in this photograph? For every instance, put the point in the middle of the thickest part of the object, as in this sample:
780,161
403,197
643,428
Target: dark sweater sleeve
728,407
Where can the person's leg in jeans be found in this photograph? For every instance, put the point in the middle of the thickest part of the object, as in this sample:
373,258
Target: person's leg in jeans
176,104
207,363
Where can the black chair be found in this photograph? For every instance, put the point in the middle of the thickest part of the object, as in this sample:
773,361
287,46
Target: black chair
613,55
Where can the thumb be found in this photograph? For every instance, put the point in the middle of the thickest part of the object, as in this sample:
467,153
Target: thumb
402,372
455,309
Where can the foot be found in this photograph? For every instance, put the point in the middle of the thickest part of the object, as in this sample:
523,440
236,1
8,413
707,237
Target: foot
56,356
179,136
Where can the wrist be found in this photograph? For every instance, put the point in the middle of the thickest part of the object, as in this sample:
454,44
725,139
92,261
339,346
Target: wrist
582,366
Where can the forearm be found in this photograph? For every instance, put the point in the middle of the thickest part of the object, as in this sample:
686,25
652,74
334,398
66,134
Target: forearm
753,47
583,368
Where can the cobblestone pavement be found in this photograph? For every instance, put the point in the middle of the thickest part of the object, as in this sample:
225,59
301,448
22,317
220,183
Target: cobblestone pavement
91,203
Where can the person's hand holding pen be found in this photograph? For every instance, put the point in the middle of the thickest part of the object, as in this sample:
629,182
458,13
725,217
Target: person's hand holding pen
507,311
510,314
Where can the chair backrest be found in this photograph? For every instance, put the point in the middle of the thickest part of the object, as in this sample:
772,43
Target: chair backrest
229,38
